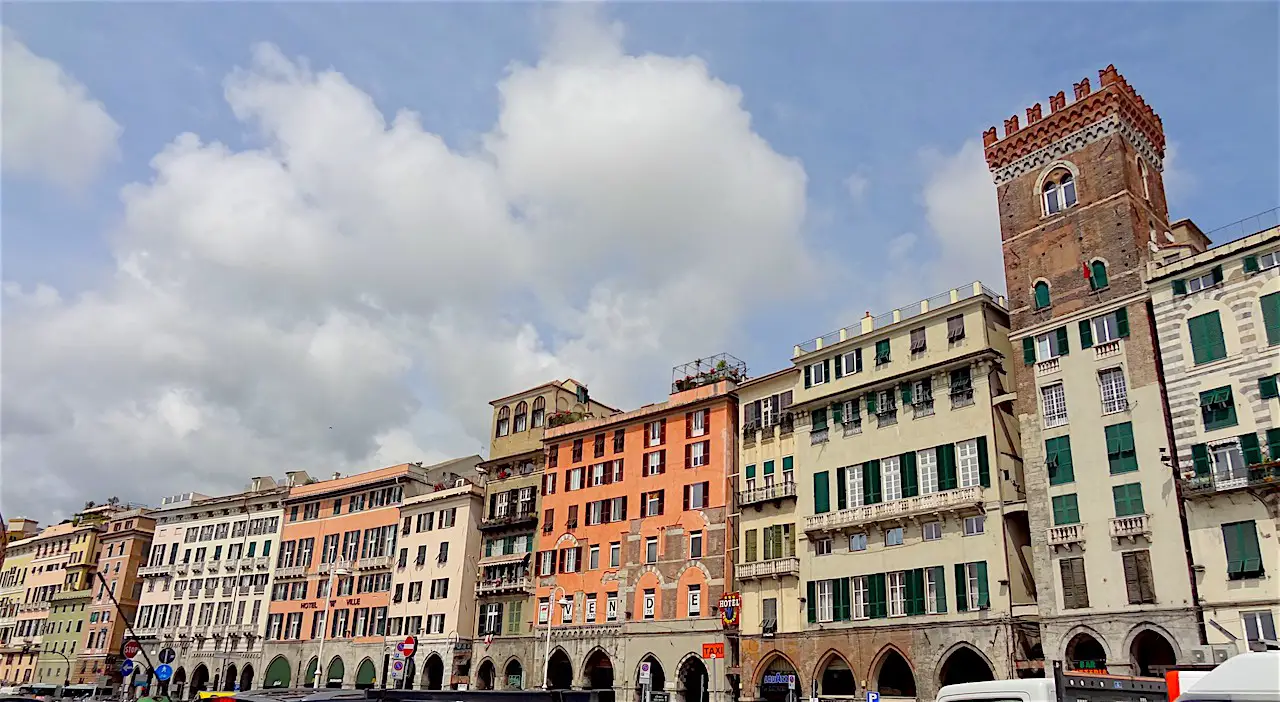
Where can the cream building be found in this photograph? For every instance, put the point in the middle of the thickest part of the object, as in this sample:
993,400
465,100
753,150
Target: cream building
17,658
1218,319
904,562
207,585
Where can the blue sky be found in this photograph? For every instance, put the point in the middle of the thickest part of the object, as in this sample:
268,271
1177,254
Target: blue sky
888,93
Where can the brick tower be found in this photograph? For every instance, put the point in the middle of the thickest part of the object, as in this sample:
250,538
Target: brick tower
1082,210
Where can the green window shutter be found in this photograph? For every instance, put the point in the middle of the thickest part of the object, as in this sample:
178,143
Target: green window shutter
871,403
882,351
1127,499
947,467
940,590
1231,541
1251,264
842,599
1029,351
1200,459
907,467
812,601
839,362
1122,322
768,467
1057,453
906,393
821,498
1271,317
826,369
984,597
1267,387
1252,554
962,589
876,596
871,482
1218,408
788,464
1041,295
819,419
984,463
916,578
751,546
1064,347
1251,449
842,500
751,471
1086,333
1121,453
1217,274
1273,444
1066,510
837,413
1179,287
1207,343
808,378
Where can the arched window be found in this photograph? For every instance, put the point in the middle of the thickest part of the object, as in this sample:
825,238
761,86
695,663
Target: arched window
539,411
522,416
1098,275
1146,182
1041,294
1059,192
504,422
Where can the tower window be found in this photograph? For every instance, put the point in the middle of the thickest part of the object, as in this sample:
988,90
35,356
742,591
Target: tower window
1059,192
1146,182
1098,275
1041,291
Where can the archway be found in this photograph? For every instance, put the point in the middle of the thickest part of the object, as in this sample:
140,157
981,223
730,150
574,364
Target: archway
894,677
693,680
179,681
598,674
964,665
230,677
1152,654
433,669
559,671
246,677
515,675
836,679
366,675
1084,652
313,669
484,675
199,679
779,681
335,673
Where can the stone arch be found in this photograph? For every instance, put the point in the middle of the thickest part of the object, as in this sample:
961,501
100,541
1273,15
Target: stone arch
246,677
1054,166
335,673
366,674
559,670
834,676
598,673
486,675
279,673
658,675
892,673
199,679
179,682
433,672
963,663
692,679
689,577
767,661
1083,636
312,669
1152,650
513,668
230,676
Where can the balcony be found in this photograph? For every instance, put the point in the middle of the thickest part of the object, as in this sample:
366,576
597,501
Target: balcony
1258,477
153,570
772,568
504,586
1131,527
262,562
767,493
373,563
967,498
197,566
1052,365
291,572
181,568
1066,535
26,607
179,594
232,563
326,567
1107,350
507,521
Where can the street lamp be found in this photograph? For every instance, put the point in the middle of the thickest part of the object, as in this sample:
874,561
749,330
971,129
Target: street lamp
546,659
334,571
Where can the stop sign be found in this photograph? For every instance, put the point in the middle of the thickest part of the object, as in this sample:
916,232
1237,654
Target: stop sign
131,648
408,646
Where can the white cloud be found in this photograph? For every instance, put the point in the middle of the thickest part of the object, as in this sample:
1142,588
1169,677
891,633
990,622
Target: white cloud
1179,183
856,185
961,209
53,129
354,292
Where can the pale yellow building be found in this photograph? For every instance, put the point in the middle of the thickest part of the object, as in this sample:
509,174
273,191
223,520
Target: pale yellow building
1217,315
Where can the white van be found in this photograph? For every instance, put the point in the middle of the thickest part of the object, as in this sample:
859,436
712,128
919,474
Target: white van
1023,690
1248,677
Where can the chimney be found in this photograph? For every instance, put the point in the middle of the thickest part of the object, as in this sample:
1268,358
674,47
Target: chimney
1057,102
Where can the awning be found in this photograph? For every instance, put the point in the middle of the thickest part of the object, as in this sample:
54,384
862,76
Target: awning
504,559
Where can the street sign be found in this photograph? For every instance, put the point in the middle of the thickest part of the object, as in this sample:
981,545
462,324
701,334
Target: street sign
408,646
644,673
397,666
873,696
237,686
164,671
659,697
131,648
126,668
167,655
711,651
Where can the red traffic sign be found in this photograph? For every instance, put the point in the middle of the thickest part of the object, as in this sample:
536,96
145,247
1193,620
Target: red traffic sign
131,648
408,646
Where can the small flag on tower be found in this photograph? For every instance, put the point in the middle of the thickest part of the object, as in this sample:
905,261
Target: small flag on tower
1087,273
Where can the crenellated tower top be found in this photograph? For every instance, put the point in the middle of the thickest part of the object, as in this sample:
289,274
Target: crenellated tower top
1114,102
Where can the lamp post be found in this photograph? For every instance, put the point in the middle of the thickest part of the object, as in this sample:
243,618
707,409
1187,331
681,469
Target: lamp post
546,658
334,571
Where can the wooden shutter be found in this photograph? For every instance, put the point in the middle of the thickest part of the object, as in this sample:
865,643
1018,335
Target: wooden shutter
808,383
706,494
910,479
1179,287
962,589
1086,333
688,455
984,595
750,411
871,482
1271,316
840,588
842,498
915,590
662,431
1273,445
984,463
812,599
1268,387
1029,351
751,546
1250,264
1200,459
876,596
688,425
1137,576
871,403
1217,274
839,359
1079,582
686,497
821,498
662,461
1064,347
1122,322
946,454
662,502
1251,449
837,413
1068,584
940,590
826,369
906,393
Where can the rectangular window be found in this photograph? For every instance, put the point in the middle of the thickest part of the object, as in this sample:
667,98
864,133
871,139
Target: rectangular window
1075,588
695,545
1051,345
955,328
1218,408
1207,343
1270,305
1057,455
918,341
927,470
650,604
1128,499
653,463
651,549
1203,282
975,525
1259,625
853,486
897,593
1066,510
969,463
858,542
882,352
1138,579
858,592
932,531
695,600
1228,464
1108,327
890,479
932,595
826,600
1053,401
593,557
822,547
1244,558
615,555
698,422
699,453
851,362
1115,394
817,373
976,585
656,432
893,537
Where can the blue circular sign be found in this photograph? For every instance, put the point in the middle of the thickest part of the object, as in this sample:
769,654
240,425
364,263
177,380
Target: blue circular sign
126,668
164,672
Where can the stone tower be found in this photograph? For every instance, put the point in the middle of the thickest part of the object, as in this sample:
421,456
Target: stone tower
1082,210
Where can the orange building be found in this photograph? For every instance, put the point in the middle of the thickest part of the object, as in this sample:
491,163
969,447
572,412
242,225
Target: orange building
633,538
337,551
123,545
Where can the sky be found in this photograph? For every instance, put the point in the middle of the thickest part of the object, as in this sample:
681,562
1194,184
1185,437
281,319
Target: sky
246,238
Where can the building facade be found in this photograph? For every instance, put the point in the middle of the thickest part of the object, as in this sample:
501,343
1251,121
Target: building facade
509,523
1082,211
60,644
17,659
434,582
904,563
206,582
630,560
1218,319
124,545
